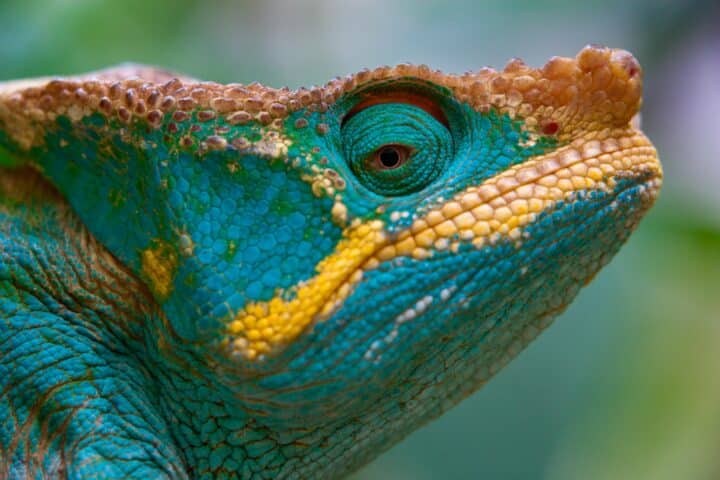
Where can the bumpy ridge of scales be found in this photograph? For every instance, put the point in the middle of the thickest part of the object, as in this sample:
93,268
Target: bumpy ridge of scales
600,86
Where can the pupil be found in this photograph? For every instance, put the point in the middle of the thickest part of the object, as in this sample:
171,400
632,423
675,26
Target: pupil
389,157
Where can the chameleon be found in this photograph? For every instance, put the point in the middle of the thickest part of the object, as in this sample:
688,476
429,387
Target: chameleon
204,280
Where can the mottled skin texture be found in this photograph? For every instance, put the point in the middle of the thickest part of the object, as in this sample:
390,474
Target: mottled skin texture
225,281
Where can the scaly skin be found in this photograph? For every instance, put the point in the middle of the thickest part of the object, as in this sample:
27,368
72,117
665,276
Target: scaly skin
202,280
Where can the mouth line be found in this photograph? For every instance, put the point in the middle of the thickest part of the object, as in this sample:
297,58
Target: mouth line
644,178
504,204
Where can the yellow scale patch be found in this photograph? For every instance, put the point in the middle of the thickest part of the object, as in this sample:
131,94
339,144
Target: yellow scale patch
263,325
498,208
159,264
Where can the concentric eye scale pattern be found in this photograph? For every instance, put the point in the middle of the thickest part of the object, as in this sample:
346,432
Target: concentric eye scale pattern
238,281
396,148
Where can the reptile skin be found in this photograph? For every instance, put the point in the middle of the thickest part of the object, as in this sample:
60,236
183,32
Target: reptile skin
234,281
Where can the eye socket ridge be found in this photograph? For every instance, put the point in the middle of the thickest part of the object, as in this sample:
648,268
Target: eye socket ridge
371,99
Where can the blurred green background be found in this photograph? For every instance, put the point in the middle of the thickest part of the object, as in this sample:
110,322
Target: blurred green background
626,384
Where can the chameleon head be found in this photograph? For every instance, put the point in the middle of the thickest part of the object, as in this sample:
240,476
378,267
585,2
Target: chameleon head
359,256
472,209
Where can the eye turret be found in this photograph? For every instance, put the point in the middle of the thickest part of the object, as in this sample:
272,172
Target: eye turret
396,148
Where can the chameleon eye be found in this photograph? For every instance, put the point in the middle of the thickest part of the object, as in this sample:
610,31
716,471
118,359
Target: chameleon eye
389,157
396,148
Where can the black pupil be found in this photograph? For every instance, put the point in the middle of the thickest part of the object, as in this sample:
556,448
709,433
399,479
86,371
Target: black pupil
389,157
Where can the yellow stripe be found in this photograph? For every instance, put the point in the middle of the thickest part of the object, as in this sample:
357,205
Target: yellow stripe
498,208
